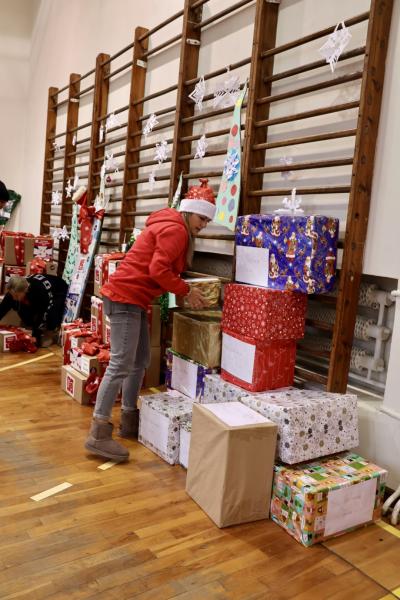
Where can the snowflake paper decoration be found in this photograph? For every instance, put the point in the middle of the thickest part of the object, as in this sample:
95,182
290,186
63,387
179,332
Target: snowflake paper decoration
76,182
101,134
152,178
286,161
231,165
112,121
335,44
111,164
55,198
149,125
198,93
69,189
60,234
74,140
201,147
161,152
227,92
56,147
291,205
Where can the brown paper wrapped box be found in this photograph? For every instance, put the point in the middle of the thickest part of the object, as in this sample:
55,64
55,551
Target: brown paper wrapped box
74,383
197,335
231,463
9,249
152,375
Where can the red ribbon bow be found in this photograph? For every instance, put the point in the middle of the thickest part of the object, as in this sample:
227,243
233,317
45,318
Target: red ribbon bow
23,342
86,216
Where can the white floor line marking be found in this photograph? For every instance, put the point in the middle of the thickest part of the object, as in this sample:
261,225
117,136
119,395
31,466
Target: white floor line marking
51,491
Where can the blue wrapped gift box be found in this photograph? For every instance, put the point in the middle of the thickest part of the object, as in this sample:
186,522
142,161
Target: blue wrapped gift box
286,252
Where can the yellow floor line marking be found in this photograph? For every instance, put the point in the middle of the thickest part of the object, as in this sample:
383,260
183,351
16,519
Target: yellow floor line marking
387,597
396,592
26,362
51,491
107,465
155,390
388,528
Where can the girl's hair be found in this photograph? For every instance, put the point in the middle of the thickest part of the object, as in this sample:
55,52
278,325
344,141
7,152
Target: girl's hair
190,251
17,284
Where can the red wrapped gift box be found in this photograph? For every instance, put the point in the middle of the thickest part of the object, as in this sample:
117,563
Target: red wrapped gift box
264,314
257,366
104,266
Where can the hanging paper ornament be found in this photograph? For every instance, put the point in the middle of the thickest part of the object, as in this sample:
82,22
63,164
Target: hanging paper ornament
176,200
198,93
335,44
227,92
74,140
150,124
291,205
152,178
101,134
201,147
161,152
56,147
286,161
111,164
112,121
55,198
69,189
229,189
60,233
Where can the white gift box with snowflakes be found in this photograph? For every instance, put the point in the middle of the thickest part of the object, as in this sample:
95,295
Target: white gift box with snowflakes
159,425
184,442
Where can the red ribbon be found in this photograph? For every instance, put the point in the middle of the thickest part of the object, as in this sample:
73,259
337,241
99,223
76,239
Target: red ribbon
93,347
19,244
106,260
86,216
23,342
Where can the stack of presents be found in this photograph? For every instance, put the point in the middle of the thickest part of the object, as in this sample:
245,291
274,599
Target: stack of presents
255,446
21,254
86,346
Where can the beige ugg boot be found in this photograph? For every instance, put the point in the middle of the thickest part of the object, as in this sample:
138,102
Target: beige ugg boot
129,426
100,441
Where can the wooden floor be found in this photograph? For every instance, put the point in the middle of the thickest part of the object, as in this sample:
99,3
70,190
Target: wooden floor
131,531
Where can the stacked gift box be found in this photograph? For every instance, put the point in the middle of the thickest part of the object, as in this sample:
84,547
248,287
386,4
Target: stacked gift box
25,254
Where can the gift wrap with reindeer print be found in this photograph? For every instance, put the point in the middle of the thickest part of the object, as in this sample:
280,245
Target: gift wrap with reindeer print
310,423
285,252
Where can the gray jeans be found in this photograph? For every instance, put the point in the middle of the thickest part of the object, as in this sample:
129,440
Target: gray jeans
130,357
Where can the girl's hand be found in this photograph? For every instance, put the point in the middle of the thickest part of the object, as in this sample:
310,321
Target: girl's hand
195,299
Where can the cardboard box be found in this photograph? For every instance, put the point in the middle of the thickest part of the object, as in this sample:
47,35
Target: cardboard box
186,375
231,462
25,254
73,383
310,423
197,335
287,252
97,317
184,442
152,375
257,366
5,337
43,248
326,498
83,362
159,424
106,329
104,266
262,314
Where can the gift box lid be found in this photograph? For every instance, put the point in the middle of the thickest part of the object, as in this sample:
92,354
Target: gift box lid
171,407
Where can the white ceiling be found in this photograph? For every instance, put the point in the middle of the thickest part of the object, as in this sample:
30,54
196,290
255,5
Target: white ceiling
17,17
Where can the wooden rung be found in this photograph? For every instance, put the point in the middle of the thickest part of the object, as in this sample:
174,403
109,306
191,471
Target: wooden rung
203,174
325,299
138,213
113,112
109,244
221,14
83,141
320,137
313,351
199,3
311,375
318,164
121,138
109,228
157,128
167,90
308,114
313,65
117,55
158,113
89,124
57,135
209,153
61,103
314,36
211,113
169,42
89,88
311,88
231,67
146,179
54,170
211,134
78,152
86,75
335,189
147,196
147,163
161,25
116,155
217,236
319,325
53,181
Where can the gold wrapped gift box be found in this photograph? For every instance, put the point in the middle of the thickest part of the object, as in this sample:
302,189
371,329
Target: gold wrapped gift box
197,335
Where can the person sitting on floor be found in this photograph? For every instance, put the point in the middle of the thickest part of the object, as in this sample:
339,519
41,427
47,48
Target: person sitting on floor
39,300
4,195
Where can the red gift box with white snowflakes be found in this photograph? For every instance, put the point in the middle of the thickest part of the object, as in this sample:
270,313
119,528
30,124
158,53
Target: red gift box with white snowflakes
257,366
264,314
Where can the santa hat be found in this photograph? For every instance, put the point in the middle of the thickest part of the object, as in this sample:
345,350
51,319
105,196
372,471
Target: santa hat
200,200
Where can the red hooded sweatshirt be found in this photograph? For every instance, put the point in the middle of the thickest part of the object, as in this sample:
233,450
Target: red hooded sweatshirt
153,265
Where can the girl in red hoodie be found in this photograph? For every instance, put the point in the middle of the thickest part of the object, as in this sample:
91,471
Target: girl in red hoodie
151,267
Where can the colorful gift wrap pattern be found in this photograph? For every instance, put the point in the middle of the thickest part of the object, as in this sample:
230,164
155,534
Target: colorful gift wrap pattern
184,445
217,389
257,366
159,426
300,251
310,423
265,315
186,375
328,497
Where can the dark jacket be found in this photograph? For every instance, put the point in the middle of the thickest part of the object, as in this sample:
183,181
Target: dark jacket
43,306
